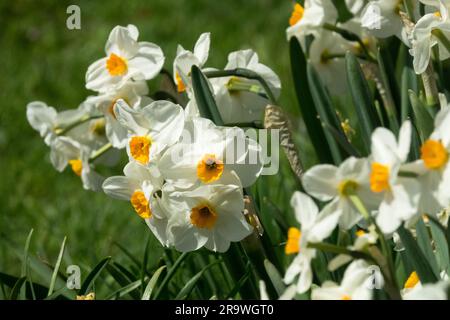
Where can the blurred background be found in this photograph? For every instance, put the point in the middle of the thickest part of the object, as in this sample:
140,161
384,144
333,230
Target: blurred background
42,60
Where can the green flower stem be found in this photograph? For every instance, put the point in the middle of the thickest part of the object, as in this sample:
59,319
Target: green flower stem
327,247
384,245
329,56
430,86
100,152
244,73
360,206
63,131
373,256
350,36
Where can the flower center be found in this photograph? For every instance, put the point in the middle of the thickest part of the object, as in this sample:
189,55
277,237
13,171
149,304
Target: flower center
412,280
433,154
360,233
297,14
140,148
203,216
98,127
140,204
379,178
293,241
77,166
116,65
180,84
348,187
209,168
346,297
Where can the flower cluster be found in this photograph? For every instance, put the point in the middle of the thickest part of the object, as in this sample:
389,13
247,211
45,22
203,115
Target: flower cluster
391,187
186,175
379,188
371,20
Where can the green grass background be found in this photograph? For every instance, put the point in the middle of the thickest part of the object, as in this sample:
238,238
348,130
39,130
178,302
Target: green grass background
42,60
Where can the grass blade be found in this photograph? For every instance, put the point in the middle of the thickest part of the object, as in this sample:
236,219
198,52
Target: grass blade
129,255
275,277
170,274
416,257
93,275
121,278
25,255
125,290
55,271
17,287
152,283
186,290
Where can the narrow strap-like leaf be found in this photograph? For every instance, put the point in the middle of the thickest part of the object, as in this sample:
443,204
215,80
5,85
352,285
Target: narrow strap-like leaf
17,287
306,103
417,257
152,283
204,97
25,254
326,111
362,99
424,241
87,284
423,120
275,277
170,274
56,269
189,286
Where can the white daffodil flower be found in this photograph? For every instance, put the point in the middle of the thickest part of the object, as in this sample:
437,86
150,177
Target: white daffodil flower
315,227
433,167
400,194
354,285
143,187
186,59
126,58
362,241
47,121
191,111
429,291
66,151
133,93
329,183
382,19
411,284
151,129
208,216
310,19
326,55
241,100
208,154
423,39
